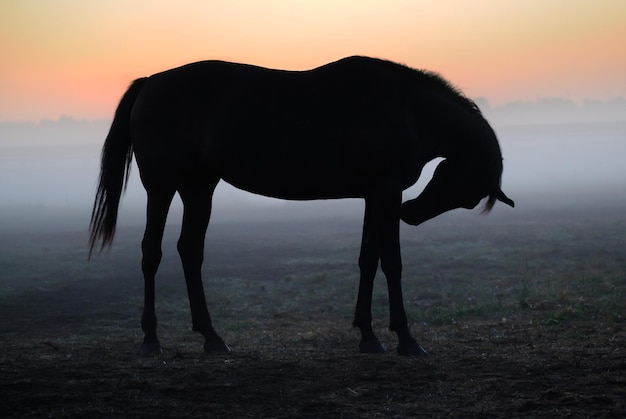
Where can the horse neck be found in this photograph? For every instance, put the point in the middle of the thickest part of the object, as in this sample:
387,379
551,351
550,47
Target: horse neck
451,128
463,140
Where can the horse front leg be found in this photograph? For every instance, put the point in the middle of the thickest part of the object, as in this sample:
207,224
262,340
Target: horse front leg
387,227
398,323
368,264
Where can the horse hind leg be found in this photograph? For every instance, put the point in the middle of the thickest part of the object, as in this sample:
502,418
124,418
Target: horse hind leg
156,215
196,215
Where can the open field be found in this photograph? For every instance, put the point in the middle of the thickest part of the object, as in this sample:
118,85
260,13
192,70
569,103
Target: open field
522,313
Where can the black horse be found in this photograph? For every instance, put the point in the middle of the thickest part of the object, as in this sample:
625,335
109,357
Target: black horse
355,128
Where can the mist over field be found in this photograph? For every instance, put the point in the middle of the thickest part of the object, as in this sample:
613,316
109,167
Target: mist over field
492,299
527,301
557,154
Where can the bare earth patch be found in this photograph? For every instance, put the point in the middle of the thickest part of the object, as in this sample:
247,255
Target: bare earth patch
523,317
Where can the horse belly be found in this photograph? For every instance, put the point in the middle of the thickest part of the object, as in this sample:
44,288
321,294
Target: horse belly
295,180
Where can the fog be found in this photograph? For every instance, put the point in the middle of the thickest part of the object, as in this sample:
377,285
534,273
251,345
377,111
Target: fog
556,154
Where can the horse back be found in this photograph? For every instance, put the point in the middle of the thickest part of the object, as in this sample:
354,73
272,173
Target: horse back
328,130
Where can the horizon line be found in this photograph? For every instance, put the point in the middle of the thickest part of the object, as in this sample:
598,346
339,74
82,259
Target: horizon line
482,101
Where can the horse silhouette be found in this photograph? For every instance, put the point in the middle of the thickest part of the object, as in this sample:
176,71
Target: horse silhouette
355,128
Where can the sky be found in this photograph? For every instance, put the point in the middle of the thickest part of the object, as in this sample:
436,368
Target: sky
76,57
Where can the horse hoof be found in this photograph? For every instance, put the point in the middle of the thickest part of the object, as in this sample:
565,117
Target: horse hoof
371,347
216,346
410,349
151,348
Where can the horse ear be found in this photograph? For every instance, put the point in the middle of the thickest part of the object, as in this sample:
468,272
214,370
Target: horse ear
503,198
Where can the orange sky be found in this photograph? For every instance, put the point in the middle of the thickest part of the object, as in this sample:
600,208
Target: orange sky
77,57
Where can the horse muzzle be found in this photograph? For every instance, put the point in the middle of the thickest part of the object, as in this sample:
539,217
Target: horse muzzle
416,211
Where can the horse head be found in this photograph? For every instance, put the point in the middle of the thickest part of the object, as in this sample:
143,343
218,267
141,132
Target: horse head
461,181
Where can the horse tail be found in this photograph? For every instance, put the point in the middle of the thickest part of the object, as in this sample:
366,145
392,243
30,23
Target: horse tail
116,159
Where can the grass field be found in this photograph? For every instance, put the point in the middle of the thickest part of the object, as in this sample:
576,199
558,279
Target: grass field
522,313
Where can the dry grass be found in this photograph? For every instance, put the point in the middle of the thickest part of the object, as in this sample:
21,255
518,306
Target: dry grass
521,316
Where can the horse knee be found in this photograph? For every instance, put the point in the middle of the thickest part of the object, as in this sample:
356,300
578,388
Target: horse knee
189,252
181,246
368,266
184,247
391,270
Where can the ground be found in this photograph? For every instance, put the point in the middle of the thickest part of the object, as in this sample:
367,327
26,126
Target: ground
522,314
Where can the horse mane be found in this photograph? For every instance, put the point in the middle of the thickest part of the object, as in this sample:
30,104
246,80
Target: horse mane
494,164
437,80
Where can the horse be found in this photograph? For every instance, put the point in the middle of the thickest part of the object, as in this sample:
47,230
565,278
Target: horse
356,128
